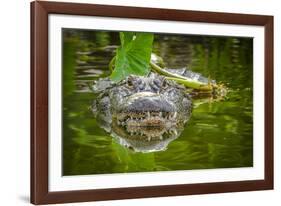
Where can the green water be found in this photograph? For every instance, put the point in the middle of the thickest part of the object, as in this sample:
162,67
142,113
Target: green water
218,135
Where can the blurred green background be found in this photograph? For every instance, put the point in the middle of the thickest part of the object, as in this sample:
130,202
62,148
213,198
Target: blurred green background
218,135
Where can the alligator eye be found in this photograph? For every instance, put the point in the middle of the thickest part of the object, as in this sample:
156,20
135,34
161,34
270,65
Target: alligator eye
157,82
130,82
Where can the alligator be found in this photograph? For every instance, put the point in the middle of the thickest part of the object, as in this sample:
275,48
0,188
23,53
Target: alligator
144,113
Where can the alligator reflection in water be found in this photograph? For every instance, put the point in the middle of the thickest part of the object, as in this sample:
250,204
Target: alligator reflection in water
143,113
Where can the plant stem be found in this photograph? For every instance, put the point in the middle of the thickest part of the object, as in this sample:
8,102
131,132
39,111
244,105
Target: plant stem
181,79
111,63
159,70
192,84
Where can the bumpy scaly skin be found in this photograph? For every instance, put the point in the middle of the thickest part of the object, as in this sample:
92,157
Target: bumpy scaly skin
142,113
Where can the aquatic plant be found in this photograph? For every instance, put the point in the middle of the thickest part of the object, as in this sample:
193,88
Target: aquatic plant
133,57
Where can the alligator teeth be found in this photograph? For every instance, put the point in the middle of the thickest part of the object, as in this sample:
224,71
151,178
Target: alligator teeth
161,137
160,114
148,114
174,131
175,115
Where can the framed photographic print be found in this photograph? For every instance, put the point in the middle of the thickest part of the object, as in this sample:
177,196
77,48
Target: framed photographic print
131,102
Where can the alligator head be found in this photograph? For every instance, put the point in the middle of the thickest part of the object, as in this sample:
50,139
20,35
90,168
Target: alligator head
143,113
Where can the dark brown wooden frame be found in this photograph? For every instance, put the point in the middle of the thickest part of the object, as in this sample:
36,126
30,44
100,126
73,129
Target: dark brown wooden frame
39,101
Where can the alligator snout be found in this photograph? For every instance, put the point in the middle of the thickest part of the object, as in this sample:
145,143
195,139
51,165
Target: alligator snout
150,104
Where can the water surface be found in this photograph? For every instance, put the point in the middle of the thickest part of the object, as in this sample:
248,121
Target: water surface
218,135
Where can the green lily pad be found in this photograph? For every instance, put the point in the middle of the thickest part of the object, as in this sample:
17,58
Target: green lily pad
133,56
